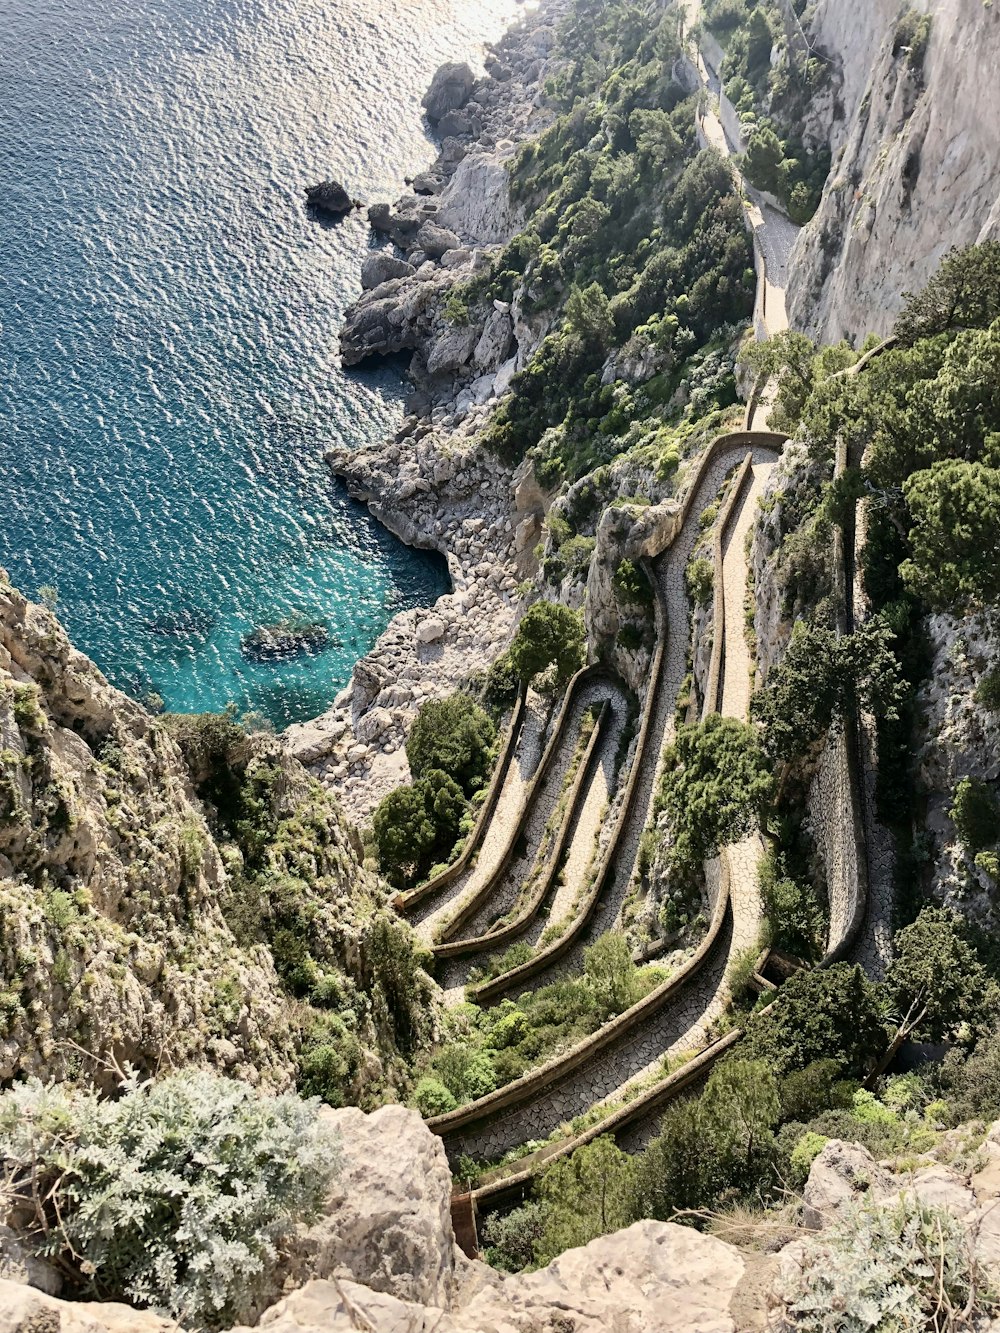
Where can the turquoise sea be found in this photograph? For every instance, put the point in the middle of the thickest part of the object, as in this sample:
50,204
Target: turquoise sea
168,325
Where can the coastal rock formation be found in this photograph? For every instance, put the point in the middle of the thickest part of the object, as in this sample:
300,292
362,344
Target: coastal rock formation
450,89
330,197
431,485
447,493
916,161
382,266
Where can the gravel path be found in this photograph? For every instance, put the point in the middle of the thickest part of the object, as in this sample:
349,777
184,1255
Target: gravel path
427,917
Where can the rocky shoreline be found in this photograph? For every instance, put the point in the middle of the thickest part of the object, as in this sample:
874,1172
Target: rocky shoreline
432,484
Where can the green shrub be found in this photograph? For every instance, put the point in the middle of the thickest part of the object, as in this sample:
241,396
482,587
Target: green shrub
611,973
716,786
976,813
796,920
880,1268
454,735
805,1152
466,1072
174,1196
913,32
988,690
431,1098
805,1092
699,579
328,1060
414,825
955,510
509,1239
632,585
549,635
836,1014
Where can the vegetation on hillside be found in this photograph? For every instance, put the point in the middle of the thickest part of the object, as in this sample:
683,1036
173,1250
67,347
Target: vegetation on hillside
921,423
770,82
350,968
176,1195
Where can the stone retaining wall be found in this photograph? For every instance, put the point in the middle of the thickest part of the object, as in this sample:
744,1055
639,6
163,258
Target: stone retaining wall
405,902
458,1127
496,938
455,924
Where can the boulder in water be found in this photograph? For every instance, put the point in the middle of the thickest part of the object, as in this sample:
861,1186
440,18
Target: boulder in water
285,639
331,198
450,89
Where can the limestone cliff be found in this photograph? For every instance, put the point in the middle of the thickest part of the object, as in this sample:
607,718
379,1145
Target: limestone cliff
916,159
383,1257
140,925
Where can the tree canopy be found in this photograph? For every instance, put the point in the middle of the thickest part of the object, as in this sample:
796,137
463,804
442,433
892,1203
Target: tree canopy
833,1013
936,980
414,826
549,635
717,785
963,294
955,511
455,735
820,679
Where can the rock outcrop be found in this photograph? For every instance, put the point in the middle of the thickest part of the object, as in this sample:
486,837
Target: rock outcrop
331,198
916,161
117,883
958,737
383,1255
108,875
450,89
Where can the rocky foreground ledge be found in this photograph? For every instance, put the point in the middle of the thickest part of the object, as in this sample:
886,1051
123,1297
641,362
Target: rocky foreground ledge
383,1257
432,484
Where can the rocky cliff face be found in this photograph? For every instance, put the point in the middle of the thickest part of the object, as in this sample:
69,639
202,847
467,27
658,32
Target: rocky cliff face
111,938
119,887
383,1256
916,160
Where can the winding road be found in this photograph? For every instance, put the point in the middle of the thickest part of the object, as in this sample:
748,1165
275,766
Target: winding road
623,1075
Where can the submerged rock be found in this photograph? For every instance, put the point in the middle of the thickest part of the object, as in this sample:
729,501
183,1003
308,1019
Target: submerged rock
330,197
284,639
190,620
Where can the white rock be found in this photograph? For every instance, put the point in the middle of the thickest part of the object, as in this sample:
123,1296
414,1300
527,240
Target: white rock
371,725
840,1173
388,1216
430,629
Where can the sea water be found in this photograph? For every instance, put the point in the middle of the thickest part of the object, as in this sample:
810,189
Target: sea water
169,379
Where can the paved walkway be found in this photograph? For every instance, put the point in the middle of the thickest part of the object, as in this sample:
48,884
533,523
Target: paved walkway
428,917
540,833
679,1026
740,669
